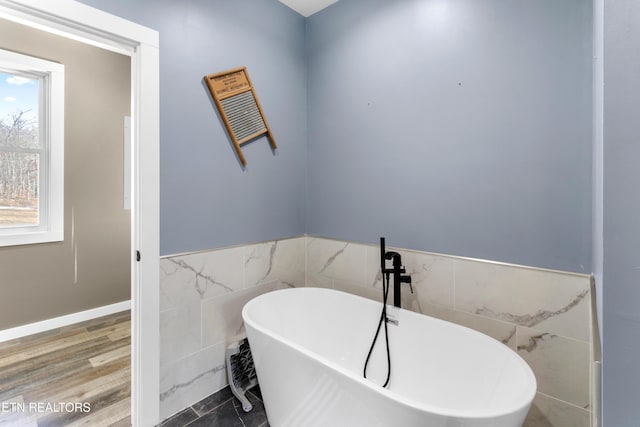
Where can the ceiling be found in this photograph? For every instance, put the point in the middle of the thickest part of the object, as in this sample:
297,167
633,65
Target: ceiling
307,7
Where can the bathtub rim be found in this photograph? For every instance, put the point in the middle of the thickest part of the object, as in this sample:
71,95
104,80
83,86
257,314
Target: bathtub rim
414,404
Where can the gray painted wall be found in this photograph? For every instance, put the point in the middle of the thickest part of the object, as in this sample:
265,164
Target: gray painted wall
456,127
207,199
473,122
621,220
39,282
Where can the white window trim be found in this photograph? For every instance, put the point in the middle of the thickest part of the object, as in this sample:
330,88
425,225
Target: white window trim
51,128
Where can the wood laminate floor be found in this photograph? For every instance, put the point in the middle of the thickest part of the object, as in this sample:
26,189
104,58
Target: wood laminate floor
79,375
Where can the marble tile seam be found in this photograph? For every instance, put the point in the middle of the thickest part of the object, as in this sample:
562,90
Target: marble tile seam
587,409
546,332
191,379
192,354
446,307
210,409
199,274
528,320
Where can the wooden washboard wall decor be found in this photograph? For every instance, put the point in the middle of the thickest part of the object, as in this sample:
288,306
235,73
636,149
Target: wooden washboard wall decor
239,107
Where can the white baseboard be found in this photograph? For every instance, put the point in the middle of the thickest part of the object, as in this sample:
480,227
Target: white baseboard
58,322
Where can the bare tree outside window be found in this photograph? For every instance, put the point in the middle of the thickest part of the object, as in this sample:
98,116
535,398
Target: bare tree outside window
20,151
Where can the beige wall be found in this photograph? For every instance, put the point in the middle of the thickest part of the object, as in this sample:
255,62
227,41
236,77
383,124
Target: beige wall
39,282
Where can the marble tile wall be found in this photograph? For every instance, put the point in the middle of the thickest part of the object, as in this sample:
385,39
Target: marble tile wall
545,316
201,298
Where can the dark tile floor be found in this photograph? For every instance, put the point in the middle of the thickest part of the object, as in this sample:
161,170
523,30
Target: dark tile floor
222,409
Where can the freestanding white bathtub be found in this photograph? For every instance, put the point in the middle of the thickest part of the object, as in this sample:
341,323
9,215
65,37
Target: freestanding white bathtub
309,346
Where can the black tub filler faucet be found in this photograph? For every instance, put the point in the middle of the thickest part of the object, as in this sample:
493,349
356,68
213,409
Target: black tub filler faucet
398,270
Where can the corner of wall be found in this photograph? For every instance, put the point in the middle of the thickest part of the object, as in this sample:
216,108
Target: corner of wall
201,299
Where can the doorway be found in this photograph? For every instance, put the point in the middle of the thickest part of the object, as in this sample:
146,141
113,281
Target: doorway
84,271
93,27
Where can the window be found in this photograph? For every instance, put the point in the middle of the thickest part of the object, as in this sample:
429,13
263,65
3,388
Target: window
31,150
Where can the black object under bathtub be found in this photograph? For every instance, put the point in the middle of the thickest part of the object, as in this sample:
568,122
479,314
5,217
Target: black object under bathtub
241,371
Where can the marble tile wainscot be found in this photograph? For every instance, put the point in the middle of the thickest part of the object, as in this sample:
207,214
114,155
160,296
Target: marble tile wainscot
201,297
543,315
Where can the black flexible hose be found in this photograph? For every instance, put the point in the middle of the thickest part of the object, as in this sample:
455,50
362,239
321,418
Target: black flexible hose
383,319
